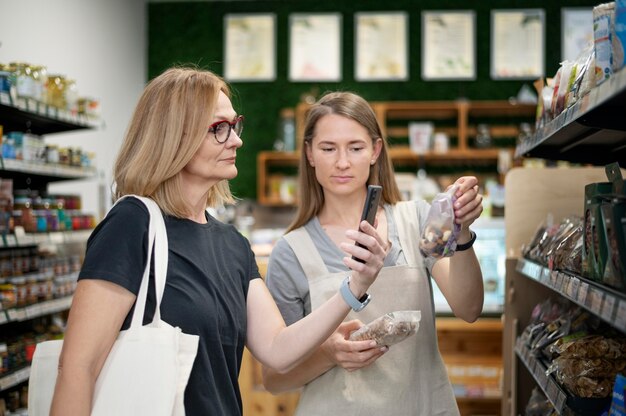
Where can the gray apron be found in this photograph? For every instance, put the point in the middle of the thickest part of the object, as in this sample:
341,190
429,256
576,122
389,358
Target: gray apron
410,379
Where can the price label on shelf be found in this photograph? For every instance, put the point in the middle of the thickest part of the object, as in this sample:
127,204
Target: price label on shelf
3,317
620,316
42,109
21,104
596,300
582,292
552,391
607,308
560,282
5,99
574,283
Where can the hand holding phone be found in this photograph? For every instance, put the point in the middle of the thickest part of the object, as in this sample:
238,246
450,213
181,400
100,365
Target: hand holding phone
370,208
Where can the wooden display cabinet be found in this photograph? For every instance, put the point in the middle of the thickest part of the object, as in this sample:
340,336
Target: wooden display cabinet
458,119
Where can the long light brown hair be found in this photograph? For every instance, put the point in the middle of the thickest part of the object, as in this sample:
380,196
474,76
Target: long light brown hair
353,106
167,129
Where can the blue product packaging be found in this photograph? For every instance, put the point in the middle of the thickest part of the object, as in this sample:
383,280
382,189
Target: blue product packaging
617,405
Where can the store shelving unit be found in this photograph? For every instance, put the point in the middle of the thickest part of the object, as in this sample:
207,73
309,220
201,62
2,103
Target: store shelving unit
458,119
30,116
591,132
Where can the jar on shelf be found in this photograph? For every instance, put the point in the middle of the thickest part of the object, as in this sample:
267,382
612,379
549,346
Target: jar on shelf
483,136
8,293
71,96
24,82
23,204
32,289
52,154
56,91
41,220
40,77
21,290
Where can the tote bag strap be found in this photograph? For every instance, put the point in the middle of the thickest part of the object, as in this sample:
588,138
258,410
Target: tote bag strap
157,239
160,254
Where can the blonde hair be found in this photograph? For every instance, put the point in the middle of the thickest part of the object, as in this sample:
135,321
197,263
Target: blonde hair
166,130
353,106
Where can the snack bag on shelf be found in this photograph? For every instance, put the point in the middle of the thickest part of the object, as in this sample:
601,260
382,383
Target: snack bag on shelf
603,16
441,231
619,35
390,328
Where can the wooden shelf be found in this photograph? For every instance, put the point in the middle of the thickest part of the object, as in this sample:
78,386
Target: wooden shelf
458,119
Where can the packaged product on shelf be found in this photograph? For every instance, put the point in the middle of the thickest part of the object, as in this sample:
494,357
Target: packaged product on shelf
594,232
390,328
441,231
618,407
538,405
585,77
603,16
613,219
619,35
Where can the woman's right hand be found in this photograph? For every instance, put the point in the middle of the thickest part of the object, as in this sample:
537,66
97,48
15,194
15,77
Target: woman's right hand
373,255
351,355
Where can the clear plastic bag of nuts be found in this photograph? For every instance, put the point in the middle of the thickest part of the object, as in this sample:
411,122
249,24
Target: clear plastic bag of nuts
440,231
390,328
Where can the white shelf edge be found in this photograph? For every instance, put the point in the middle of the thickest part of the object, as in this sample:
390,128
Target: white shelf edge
603,303
598,95
15,378
537,370
36,310
45,110
47,169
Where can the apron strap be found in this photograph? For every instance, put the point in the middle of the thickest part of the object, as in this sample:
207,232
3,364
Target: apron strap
307,254
408,226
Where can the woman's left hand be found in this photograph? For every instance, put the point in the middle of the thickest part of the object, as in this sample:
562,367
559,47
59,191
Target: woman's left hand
469,203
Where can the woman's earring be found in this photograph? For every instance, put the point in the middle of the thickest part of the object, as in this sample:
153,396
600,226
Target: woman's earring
372,162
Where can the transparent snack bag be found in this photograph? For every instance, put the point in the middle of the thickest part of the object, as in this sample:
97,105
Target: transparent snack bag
441,231
390,328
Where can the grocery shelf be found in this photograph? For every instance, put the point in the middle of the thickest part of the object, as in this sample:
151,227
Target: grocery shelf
31,175
39,118
563,403
591,131
36,310
15,378
602,301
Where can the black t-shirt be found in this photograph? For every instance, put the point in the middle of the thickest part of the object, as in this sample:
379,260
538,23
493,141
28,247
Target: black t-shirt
209,270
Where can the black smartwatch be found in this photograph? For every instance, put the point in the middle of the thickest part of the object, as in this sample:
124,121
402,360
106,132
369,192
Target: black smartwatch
469,244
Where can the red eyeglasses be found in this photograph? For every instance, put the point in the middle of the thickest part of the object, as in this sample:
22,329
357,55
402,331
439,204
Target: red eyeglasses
221,129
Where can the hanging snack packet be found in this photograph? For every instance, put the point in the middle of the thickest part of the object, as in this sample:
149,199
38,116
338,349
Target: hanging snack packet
441,232
390,328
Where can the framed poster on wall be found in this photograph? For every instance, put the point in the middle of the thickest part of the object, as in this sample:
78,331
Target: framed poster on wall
448,45
250,47
381,46
517,44
315,47
576,31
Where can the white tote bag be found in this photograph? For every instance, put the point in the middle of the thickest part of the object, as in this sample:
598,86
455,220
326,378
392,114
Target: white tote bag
148,367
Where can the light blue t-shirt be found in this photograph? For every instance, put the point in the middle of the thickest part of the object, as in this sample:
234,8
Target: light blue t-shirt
288,283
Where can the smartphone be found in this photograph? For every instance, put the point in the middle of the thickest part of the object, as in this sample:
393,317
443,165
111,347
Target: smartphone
369,209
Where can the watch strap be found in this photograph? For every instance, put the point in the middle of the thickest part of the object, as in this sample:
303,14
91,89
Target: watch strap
469,244
347,295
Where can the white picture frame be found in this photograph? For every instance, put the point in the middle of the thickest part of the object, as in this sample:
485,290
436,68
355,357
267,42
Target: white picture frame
315,47
381,46
449,45
517,44
250,47
576,31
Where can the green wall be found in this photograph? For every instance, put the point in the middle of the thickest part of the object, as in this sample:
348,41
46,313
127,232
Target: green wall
192,33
